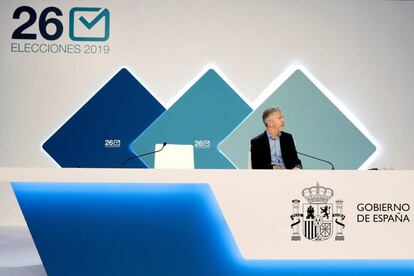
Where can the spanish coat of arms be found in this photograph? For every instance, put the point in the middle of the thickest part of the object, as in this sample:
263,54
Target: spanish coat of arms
318,218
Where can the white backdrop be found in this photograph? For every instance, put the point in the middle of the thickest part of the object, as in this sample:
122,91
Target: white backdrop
362,51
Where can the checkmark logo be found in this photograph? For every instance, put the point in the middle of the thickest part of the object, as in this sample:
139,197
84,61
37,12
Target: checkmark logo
89,24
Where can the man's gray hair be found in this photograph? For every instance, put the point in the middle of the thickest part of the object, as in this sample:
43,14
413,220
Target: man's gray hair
269,112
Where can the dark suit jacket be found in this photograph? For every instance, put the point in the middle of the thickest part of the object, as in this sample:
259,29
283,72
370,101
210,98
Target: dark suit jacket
260,151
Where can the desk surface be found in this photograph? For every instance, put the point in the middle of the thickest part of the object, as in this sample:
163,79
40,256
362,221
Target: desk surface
257,207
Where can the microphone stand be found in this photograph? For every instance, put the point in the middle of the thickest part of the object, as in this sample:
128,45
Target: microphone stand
144,154
313,157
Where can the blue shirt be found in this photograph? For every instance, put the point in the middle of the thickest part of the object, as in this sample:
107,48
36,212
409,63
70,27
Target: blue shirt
275,151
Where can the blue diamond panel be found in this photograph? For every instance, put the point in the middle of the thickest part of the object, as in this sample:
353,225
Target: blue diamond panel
319,128
208,111
99,134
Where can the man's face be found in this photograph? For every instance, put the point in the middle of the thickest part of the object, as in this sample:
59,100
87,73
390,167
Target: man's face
276,121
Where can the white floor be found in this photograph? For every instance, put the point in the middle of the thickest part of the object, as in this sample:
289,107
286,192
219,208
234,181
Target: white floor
18,254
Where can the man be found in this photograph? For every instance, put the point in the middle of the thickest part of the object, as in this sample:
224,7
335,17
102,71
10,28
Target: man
274,149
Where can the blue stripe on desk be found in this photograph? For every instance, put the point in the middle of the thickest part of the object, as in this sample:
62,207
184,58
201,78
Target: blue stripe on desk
153,229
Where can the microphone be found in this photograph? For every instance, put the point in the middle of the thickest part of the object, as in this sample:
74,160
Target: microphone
316,158
147,153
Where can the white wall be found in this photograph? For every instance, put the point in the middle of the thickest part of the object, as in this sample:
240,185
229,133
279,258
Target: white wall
360,50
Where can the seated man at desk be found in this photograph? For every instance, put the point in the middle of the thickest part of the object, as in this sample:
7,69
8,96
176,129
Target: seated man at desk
274,148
